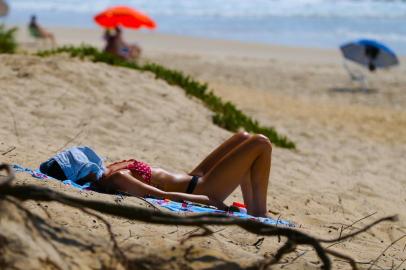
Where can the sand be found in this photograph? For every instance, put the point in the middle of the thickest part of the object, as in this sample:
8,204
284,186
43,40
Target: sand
349,162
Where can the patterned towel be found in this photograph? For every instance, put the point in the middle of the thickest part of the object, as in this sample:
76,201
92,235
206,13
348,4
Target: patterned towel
198,208
168,204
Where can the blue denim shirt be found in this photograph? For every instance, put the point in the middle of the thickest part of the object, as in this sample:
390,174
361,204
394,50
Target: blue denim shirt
80,161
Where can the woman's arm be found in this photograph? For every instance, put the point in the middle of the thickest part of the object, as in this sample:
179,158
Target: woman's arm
203,199
124,182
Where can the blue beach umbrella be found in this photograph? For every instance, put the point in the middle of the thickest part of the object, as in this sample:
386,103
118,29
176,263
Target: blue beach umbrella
369,53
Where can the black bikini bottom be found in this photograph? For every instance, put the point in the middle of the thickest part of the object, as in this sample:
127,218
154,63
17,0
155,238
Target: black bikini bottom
192,184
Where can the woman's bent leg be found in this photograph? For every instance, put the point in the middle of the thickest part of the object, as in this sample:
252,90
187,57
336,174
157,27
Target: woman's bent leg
253,156
246,190
217,154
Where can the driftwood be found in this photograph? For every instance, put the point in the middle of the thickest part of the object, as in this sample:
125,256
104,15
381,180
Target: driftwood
294,237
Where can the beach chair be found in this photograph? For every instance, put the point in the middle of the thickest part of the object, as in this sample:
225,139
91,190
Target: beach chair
357,76
34,33
39,37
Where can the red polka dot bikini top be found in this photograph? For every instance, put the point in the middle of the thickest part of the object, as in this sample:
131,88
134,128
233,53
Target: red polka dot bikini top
139,168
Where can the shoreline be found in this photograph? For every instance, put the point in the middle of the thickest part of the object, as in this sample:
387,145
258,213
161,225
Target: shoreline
293,30
162,42
153,42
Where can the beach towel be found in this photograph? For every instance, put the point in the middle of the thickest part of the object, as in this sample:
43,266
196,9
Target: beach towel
165,203
198,208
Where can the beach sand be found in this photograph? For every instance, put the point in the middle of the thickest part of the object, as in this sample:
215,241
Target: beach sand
349,162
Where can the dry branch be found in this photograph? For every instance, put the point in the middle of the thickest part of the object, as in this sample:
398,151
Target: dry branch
70,140
343,228
383,252
12,148
294,237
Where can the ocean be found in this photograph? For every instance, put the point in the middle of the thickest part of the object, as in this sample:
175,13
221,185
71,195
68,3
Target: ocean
302,23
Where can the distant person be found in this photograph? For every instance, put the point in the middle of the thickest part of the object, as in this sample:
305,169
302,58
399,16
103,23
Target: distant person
3,8
112,43
39,32
116,45
372,53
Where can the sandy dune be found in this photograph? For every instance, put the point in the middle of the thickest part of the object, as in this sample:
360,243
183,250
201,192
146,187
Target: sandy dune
350,160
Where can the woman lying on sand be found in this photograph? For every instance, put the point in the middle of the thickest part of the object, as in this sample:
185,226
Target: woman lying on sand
242,160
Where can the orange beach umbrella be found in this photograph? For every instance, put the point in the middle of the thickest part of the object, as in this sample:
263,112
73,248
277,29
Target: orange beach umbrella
124,16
